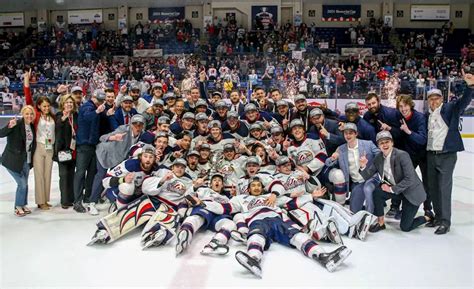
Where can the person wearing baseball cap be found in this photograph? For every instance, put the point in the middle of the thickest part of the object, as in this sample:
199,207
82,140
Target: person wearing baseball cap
347,158
77,93
444,141
398,180
123,114
252,115
192,158
364,129
156,92
283,113
221,111
186,123
327,129
234,126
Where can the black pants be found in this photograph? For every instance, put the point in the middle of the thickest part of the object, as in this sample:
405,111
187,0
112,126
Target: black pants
419,160
85,171
440,183
66,182
408,221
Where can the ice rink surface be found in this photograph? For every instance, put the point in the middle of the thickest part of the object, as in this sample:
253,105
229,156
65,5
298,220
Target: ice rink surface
47,249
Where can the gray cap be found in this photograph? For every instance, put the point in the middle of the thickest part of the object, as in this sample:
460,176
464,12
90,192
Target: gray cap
157,85
158,102
161,134
255,126
252,160
205,146
315,112
350,126
232,113
351,105
221,104
299,97
214,123
249,141
276,129
169,95
282,103
180,162
127,98
201,116
99,94
296,122
134,87
434,91
164,119
216,93
137,118
383,135
217,175
148,149
229,146
76,88
193,153
188,115
250,107
201,102
282,160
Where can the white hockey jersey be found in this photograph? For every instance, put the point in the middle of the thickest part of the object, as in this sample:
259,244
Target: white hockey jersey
270,184
172,191
125,167
293,182
310,153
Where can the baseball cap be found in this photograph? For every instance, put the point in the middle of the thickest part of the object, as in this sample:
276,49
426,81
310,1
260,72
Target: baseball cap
276,129
351,106
252,160
250,107
282,160
205,146
169,95
434,91
180,162
217,93
350,126
255,126
127,98
201,116
193,153
201,102
76,89
137,118
221,104
148,149
232,113
229,146
383,135
159,102
315,112
188,115
214,123
282,103
164,119
299,97
100,95
157,85
296,122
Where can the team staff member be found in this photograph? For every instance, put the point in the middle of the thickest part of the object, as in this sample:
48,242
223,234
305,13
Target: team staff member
327,129
444,141
398,180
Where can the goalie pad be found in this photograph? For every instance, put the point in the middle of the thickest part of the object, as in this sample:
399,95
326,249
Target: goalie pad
311,217
165,220
126,219
348,223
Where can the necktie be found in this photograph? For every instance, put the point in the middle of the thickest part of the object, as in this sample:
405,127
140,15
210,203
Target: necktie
127,118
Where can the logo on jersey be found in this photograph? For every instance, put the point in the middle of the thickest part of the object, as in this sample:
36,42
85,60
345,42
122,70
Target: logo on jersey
293,182
176,187
303,157
256,202
226,170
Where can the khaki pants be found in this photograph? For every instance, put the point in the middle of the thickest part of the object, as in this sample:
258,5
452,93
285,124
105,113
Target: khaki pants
42,167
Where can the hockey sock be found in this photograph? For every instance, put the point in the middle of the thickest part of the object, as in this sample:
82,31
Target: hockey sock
303,242
255,245
340,193
223,228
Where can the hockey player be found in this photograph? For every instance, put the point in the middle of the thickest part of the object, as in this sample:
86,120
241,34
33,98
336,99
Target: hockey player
308,153
237,128
266,225
252,169
166,188
230,166
202,218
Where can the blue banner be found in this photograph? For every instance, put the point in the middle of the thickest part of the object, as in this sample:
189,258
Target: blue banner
341,12
165,14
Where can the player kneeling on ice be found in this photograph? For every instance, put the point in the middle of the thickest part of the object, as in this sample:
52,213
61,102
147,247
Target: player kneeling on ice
266,225
133,209
200,217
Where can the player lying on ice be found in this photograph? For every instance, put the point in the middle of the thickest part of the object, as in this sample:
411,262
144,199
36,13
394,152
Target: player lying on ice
267,223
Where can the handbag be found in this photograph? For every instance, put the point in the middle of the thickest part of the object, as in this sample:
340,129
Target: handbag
64,156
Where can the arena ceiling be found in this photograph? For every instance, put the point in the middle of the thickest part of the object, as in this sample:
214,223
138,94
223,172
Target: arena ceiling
23,5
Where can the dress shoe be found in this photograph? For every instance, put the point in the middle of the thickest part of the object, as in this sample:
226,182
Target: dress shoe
377,227
433,223
78,207
43,207
443,229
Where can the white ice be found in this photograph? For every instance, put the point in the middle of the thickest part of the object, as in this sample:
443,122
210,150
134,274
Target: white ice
48,249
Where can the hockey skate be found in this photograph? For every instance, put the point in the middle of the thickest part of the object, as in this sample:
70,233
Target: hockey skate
101,236
183,241
214,248
333,259
249,263
154,239
364,225
333,233
238,236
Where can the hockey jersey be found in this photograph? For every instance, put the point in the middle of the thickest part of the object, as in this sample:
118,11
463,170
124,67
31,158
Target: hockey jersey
293,182
125,167
310,153
170,192
270,184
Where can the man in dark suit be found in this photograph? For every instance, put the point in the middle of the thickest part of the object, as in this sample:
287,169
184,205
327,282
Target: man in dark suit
327,129
398,181
124,114
444,141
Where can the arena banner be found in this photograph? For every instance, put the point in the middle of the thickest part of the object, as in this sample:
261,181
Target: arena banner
264,17
355,51
16,19
147,52
335,13
165,14
430,12
84,16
